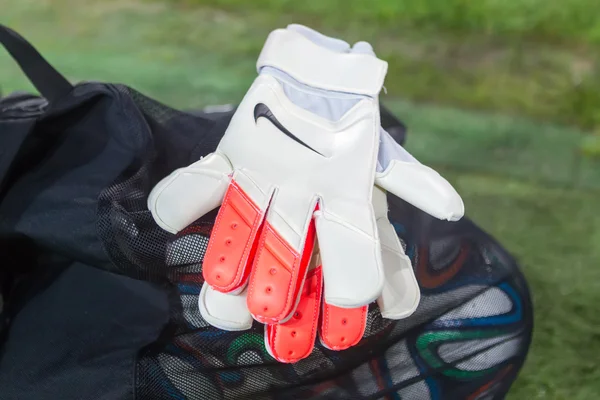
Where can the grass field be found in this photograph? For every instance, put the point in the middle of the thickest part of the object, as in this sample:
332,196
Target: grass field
473,81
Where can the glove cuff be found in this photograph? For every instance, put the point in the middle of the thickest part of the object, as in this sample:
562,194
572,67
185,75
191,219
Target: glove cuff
320,67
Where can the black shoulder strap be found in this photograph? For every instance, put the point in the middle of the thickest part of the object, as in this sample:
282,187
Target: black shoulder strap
51,85
48,81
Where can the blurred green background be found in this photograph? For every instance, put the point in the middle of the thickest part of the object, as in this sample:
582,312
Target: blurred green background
502,96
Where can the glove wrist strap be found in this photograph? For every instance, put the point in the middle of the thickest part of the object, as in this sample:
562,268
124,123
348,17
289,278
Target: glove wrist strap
320,67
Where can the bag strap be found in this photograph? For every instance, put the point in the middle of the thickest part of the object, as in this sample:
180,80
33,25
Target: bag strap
47,80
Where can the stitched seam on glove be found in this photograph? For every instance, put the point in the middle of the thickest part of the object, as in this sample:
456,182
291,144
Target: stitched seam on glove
334,218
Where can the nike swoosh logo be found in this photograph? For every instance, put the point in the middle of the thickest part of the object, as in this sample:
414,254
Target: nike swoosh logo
262,110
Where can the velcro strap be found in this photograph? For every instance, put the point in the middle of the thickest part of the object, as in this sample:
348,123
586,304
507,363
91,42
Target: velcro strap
320,67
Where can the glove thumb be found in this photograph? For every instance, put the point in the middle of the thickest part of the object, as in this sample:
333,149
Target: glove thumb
224,310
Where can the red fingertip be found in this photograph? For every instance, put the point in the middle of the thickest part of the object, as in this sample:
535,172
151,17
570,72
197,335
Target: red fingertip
230,249
342,328
294,340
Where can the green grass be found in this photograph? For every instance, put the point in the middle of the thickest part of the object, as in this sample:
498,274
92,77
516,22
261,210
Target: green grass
537,58
524,181
499,145
555,235
548,19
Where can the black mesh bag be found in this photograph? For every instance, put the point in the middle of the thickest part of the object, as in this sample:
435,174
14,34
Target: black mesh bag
100,303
